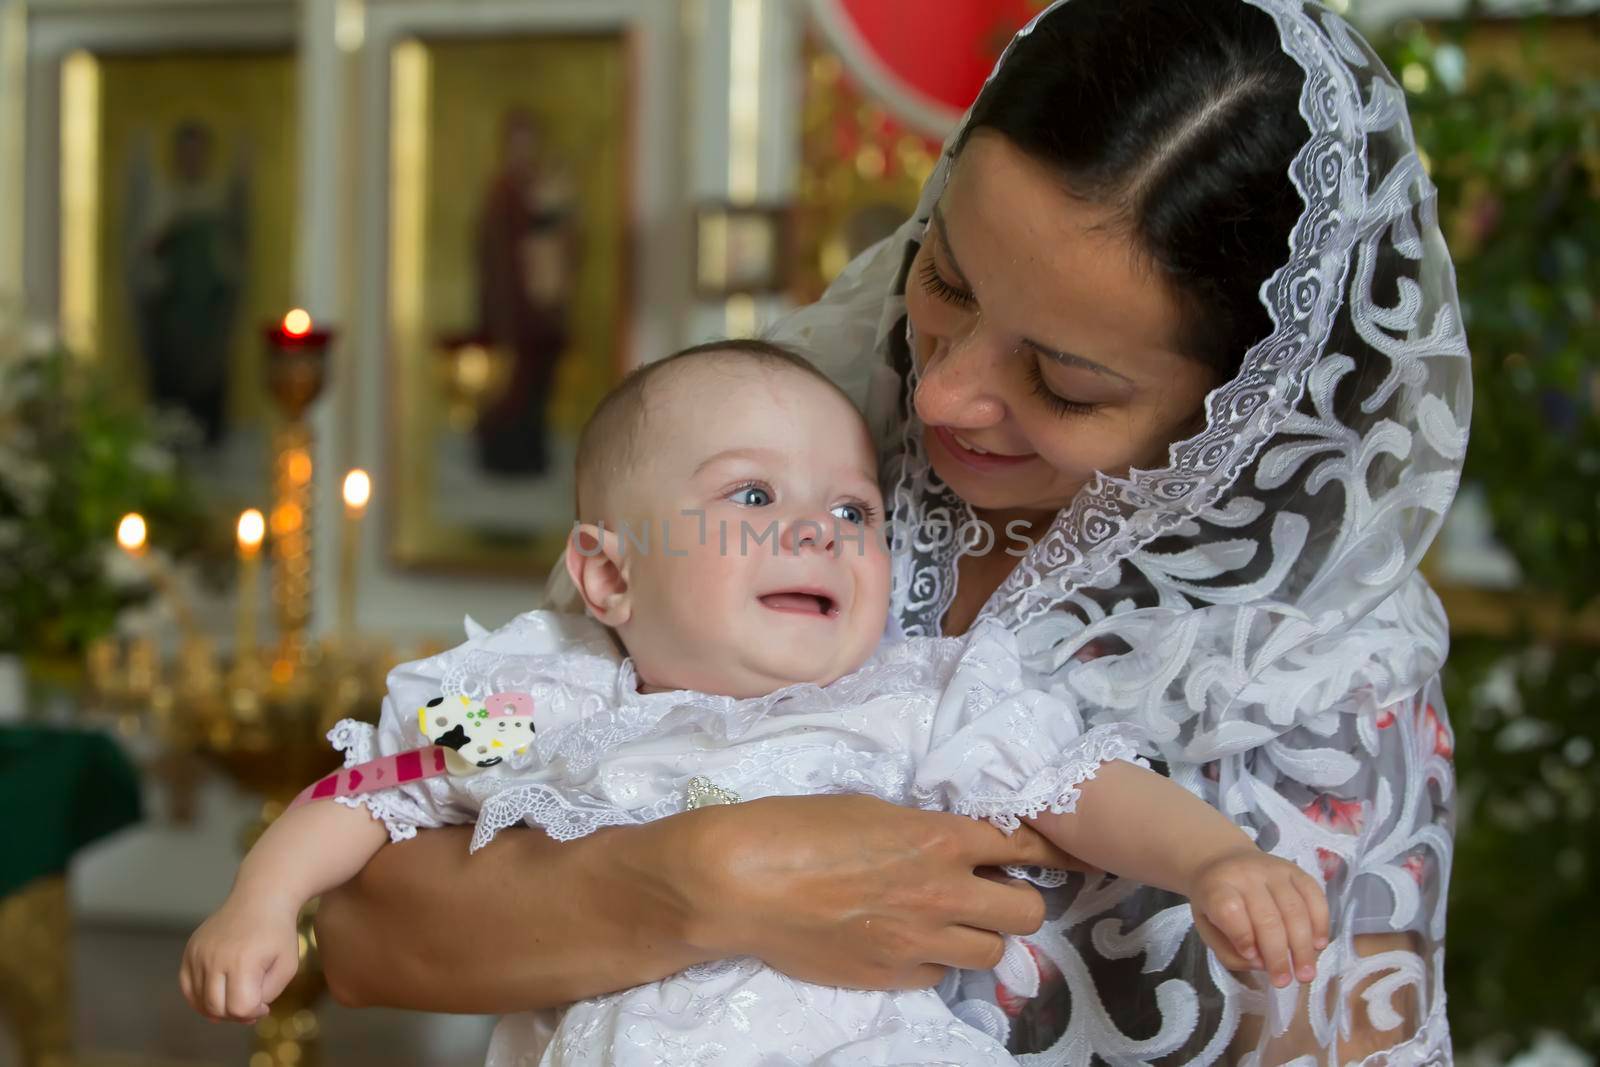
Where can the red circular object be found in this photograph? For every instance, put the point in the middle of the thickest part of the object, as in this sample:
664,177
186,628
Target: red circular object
925,59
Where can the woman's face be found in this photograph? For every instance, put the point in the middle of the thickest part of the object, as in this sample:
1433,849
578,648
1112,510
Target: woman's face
1048,347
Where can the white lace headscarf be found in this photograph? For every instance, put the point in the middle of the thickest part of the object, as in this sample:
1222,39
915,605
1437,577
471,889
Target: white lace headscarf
1255,604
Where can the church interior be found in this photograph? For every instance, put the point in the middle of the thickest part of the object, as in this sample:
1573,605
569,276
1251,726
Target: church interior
303,304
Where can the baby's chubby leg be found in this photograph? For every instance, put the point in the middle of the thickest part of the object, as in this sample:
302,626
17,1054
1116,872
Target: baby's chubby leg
242,957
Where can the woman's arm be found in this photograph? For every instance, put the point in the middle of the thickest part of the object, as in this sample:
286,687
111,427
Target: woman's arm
843,890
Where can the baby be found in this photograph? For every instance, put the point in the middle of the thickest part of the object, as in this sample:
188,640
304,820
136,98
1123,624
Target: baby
729,538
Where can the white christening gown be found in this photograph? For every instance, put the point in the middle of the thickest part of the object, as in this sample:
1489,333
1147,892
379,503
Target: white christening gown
938,723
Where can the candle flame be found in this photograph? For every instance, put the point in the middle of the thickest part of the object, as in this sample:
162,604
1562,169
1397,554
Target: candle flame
252,528
357,489
286,519
298,464
297,323
131,532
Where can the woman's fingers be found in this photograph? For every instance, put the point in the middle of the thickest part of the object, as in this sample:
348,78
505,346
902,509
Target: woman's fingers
1008,907
986,846
967,948
1272,939
1297,928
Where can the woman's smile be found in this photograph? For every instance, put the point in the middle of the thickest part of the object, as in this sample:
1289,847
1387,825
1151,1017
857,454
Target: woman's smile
964,451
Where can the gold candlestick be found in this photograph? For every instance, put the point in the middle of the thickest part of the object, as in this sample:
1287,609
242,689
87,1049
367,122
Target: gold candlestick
357,492
296,362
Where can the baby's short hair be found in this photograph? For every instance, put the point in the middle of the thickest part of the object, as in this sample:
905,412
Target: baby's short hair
611,439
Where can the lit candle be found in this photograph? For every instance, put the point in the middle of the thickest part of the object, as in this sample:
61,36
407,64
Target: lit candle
297,323
132,535
252,528
357,492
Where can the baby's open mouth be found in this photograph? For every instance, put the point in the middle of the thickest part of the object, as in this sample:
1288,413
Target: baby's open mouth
802,602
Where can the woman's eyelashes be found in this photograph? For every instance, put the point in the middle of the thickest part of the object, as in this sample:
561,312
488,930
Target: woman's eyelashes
943,290
935,284
1058,403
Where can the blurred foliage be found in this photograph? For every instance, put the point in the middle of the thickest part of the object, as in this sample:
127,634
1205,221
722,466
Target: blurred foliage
1513,143
76,455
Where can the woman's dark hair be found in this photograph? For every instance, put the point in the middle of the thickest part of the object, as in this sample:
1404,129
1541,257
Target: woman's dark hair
1184,116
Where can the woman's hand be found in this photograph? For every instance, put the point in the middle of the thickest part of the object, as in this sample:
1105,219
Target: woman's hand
842,890
853,891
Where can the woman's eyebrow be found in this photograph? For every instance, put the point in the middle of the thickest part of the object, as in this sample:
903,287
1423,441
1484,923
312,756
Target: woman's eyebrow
949,250
1066,359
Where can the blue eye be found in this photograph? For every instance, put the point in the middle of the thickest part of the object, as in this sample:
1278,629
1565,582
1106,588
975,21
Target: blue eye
857,514
751,496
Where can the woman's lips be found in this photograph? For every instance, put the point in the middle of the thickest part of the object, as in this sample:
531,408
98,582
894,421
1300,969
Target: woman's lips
980,461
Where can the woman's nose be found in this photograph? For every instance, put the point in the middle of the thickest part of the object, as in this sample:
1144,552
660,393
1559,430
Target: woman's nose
961,381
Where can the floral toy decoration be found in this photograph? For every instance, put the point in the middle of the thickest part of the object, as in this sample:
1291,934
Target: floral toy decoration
464,737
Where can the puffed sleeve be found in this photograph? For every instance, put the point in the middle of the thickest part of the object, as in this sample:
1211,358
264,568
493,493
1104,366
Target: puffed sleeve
1004,752
522,656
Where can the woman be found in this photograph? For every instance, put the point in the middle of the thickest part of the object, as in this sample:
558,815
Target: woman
1192,245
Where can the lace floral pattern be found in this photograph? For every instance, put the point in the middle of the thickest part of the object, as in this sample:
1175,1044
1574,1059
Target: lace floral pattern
1055,788
940,722
1253,607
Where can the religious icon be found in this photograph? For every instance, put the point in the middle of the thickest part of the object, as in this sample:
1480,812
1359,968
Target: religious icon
509,285
178,238
527,255
187,261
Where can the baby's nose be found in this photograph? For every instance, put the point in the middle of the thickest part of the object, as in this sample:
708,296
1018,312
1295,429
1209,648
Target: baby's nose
812,531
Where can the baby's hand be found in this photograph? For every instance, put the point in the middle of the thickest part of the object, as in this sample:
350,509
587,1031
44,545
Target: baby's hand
239,960
1255,910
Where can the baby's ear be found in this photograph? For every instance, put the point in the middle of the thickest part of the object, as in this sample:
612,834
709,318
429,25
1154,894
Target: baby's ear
595,562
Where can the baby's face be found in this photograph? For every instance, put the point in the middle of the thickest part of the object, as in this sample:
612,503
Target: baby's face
773,570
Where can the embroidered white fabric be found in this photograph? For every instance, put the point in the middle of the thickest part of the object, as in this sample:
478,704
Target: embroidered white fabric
511,658
941,723
1254,606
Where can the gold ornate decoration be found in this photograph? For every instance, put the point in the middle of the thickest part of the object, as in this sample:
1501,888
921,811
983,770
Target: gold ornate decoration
860,172
36,970
262,715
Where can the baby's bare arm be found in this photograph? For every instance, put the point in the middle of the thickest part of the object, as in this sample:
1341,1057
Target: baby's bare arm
306,852
1141,825
240,959
1256,911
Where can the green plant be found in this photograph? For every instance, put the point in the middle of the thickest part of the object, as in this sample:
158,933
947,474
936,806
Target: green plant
1515,153
75,455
